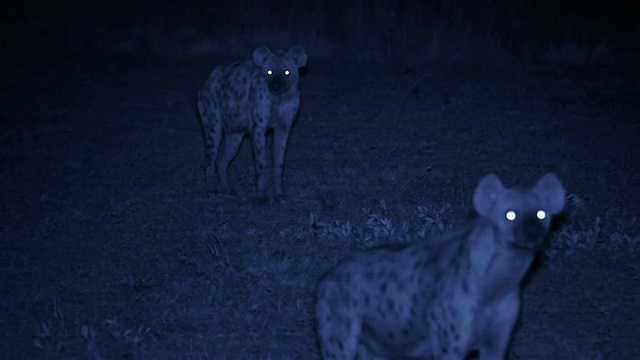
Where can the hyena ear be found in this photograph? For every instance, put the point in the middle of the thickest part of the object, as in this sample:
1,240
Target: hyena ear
487,192
261,54
550,189
298,55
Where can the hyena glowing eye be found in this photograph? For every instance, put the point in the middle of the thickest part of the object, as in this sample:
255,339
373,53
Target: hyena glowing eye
510,215
541,214
286,72
269,72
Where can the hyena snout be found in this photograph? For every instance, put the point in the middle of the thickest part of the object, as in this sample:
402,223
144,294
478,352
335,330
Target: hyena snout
278,87
530,234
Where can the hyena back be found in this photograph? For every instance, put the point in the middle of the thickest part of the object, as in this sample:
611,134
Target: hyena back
250,97
445,297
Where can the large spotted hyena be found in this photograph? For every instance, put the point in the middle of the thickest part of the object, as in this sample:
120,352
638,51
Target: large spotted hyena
442,298
250,97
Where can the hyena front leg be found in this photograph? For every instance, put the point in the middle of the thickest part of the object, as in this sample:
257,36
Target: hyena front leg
258,144
338,329
280,139
231,146
497,337
212,126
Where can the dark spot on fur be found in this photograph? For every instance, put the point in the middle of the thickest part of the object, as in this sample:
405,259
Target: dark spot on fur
438,276
382,314
383,287
418,265
370,263
433,294
460,251
393,275
443,339
369,275
454,332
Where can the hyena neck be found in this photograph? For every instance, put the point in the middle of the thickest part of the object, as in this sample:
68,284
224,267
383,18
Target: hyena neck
290,94
498,268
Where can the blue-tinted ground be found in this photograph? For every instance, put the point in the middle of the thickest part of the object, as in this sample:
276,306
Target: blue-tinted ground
110,247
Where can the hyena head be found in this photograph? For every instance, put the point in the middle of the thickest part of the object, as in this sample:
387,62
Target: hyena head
280,70
523,216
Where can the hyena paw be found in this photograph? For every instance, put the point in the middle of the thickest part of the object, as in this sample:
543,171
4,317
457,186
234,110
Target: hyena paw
280,197
262,200
211,187
229,193
216,189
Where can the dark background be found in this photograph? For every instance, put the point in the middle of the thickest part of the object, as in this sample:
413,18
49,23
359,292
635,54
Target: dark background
528,30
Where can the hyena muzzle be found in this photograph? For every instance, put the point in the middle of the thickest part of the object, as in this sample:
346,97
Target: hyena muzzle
251,97
442,298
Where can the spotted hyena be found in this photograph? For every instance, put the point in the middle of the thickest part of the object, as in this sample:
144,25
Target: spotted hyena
446,297
250,97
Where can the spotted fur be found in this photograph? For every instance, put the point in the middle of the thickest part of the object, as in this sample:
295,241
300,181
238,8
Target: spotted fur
251,97
445,297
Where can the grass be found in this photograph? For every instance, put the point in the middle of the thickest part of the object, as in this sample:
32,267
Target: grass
111,249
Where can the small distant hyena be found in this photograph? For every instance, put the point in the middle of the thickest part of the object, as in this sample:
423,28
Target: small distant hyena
250,97
441,298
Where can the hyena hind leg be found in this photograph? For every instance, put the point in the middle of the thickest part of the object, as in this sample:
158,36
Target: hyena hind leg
280,139
258,145
496,344
338,332
231,146
212,130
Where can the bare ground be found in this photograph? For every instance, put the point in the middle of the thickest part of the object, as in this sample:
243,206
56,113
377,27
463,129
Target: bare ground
110,248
